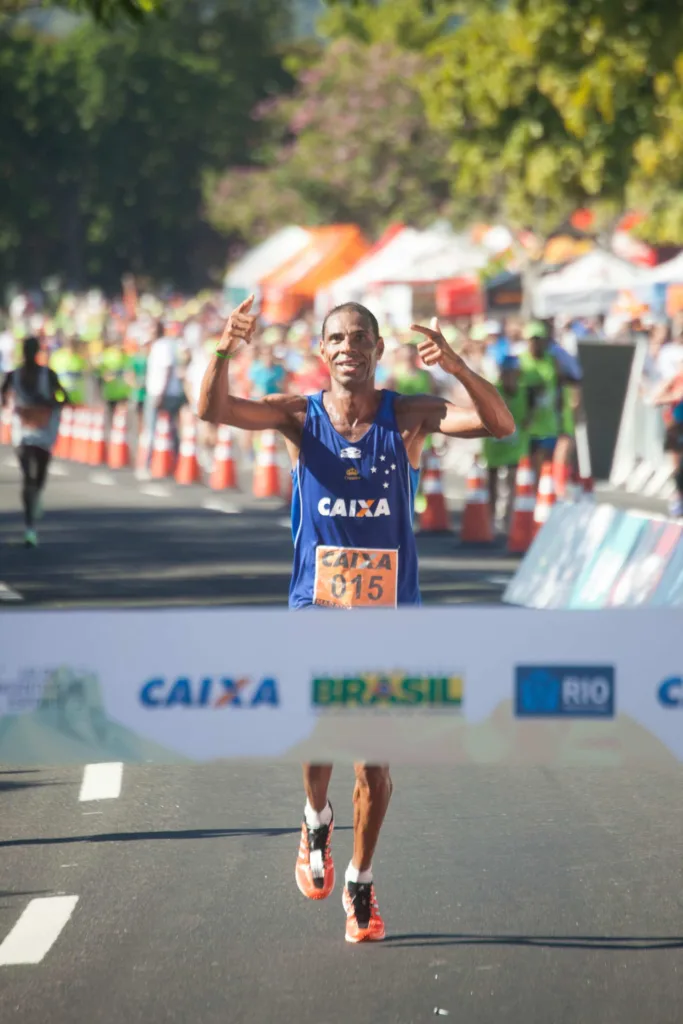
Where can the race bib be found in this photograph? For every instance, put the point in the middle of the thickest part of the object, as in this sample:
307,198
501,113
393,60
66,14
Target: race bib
355,577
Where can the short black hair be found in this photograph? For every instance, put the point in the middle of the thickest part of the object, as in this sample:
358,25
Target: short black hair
354,307
31,348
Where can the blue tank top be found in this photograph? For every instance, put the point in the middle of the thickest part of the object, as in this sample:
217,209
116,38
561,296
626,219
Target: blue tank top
352,515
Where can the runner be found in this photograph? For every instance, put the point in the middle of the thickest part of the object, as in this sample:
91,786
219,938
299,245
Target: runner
34,427
355,452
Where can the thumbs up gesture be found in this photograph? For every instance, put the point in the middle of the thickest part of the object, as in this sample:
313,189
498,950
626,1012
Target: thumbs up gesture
240,327
435,351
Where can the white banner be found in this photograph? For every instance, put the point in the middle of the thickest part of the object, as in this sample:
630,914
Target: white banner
479,685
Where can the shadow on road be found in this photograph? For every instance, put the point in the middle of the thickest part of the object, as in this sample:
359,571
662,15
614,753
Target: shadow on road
629,942
10,786
132,837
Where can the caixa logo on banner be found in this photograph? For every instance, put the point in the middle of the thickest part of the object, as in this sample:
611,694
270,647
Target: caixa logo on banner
209,692
670,692
564,691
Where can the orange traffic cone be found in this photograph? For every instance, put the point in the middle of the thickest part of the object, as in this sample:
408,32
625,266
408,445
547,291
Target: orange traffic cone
223,473
142,451
81,435
6,425
187,469
162,454
97,447
545,498
266,470
561,478
476,526
434,518
522,523
62,449
118,453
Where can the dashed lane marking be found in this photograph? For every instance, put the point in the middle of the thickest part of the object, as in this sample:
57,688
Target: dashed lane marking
37,930
220,506
7,594
103,479
101,781
156,491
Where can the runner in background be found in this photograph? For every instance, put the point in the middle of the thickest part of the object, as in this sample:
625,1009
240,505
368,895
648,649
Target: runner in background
506,452
36,391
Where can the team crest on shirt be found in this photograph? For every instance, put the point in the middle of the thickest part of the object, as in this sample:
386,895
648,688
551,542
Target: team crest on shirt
352,474
350,453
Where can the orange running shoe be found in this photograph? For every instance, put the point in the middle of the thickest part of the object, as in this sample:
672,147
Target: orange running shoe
314,865
363,920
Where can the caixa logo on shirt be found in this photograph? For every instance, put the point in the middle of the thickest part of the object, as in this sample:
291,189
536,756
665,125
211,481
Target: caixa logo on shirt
209,692
354,508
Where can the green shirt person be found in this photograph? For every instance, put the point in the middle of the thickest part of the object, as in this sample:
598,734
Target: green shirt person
112,372
507,452
71,367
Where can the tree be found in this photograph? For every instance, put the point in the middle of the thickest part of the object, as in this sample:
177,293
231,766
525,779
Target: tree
105,11
550,103
106,136
351,144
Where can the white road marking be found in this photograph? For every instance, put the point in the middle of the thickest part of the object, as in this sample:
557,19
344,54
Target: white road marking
91,812
7,594
156,491
57,470
104,479
101,781
37,930
11,464
218,506
285,522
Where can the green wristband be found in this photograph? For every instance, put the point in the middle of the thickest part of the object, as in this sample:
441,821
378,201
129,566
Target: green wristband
224,355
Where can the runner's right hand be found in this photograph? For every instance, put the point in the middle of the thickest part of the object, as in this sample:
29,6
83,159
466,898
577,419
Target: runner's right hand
240,327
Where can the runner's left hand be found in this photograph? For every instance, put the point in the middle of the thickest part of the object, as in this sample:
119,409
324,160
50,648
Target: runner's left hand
434,349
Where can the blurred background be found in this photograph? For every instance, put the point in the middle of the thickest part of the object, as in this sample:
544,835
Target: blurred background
513,168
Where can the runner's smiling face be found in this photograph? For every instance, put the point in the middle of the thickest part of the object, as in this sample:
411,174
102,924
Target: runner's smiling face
350,349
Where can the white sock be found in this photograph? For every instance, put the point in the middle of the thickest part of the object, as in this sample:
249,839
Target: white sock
315,819
354,875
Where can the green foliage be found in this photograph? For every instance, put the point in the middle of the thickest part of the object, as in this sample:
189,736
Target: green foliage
106,135
350,145
409,24
554,103
105,11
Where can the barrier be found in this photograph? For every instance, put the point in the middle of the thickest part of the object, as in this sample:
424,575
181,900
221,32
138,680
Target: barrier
590,556
640,463
567,688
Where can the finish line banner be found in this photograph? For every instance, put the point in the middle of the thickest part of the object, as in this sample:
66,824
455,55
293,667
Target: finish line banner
495,686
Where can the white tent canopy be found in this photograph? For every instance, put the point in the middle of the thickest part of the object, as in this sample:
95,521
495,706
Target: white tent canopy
265,258
587,287
454,259
411,256
670,272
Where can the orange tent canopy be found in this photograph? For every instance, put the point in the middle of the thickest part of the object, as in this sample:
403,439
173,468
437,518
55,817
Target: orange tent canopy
331,252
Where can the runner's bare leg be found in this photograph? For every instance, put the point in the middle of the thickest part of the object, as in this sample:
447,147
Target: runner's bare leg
316,783
371,797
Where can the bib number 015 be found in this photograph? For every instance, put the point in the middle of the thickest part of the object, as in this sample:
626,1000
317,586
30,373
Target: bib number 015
355,578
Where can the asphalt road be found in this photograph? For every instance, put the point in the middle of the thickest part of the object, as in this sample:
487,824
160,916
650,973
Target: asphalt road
530,896
108,539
